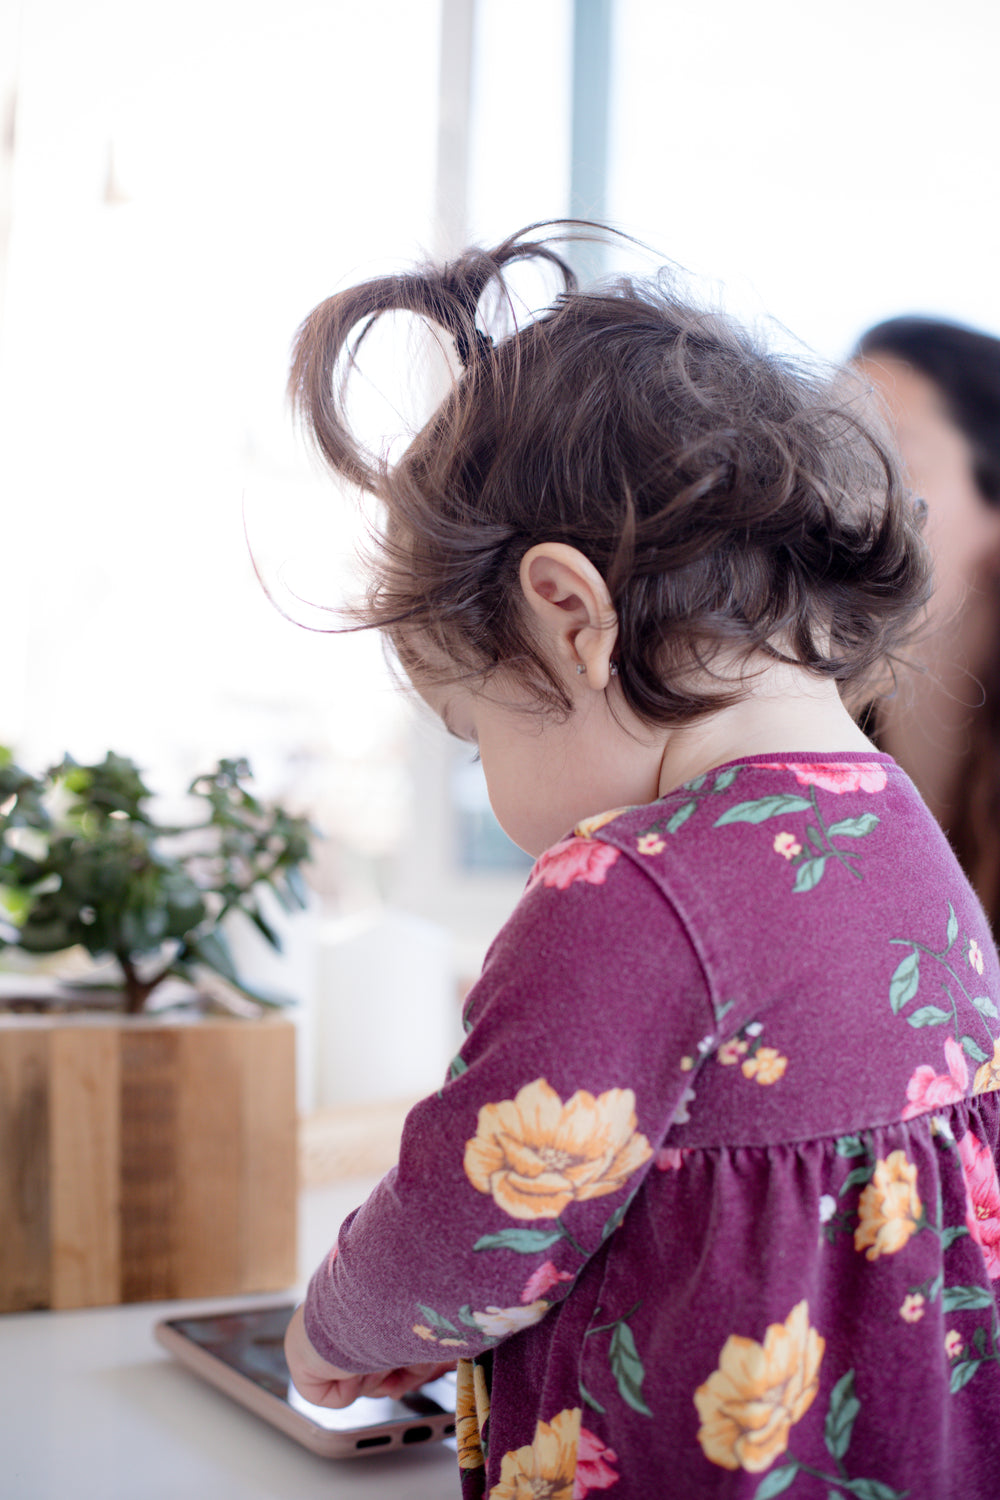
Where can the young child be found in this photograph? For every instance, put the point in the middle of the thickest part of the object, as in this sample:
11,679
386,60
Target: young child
708,1205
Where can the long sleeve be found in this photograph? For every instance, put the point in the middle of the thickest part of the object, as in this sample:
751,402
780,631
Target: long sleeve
582,1033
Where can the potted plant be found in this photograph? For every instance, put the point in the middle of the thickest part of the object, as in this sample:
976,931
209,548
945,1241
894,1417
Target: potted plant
147,1148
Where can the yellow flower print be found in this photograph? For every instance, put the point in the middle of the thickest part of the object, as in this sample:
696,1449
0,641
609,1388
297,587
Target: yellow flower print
535,1155
650,843
889,1209
912,1309
750,1403
731,1052
767,1065
987,1077
546,1467
786,845
423,1332
498,1322
472,1410
591,825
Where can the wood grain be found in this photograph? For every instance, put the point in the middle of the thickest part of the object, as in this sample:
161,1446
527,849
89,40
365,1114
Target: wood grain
85,1165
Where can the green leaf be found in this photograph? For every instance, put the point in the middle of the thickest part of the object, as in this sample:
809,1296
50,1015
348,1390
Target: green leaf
853,828
905,981
695,785
961,1298
725,779
856,1178
776,1482
952,925
872,1489
979,1339
762,809
590,1400
951,1234
972,1047
810,873
457,1067
929,1015
523,1241
850,1145
681,816
962,1373
614,1221
627,1368
841,1416
465,1316
934,1290
985,1006
436,1320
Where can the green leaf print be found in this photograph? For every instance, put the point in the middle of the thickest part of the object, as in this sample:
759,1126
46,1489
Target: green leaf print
436,1320
962,1373
952,925
952,1233
591,1400
851,1145
762,809
972,1047
725,779
524,1241
853,828
681,816
841,1416
777,1482
985,1006
627,1368
961,1298
905,981
929,1015
809,874
872,1489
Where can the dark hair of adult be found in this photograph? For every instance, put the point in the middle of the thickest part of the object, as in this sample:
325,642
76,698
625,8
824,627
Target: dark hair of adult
730,497
964,365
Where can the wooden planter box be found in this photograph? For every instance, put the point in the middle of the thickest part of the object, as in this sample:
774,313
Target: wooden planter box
145,1159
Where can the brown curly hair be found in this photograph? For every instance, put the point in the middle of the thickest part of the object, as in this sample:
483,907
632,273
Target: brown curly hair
731,498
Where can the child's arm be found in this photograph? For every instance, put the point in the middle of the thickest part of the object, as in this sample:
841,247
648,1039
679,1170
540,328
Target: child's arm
326,1385
586,1027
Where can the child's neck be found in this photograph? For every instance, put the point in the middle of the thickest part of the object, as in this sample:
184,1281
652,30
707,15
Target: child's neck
787,711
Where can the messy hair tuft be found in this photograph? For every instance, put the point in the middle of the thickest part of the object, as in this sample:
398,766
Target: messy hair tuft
733,499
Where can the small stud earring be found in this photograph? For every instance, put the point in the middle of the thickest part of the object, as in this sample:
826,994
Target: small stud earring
614,669
580,669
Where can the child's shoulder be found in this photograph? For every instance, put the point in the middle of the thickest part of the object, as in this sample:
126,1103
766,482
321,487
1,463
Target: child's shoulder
751,790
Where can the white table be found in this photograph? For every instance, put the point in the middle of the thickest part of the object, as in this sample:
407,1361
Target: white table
91,1408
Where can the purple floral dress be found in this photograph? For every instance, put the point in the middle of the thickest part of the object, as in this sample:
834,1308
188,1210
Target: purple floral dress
709,1205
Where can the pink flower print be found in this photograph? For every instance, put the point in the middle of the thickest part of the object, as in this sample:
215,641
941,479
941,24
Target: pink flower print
837,776
541,1280
982,1216
912,1309
786,845
975,956
593,1465
669,1158
953,1345
575,859
929,1090
650,843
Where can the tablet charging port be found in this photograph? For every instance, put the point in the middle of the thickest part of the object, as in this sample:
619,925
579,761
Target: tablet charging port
417,1434
375,1442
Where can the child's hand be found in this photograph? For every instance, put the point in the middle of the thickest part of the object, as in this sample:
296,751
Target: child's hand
325,1385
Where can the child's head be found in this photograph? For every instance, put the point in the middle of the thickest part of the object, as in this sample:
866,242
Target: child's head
732,503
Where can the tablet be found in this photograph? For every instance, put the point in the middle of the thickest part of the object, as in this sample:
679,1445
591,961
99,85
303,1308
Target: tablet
242,1353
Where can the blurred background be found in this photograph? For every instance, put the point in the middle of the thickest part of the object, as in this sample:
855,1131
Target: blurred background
180,184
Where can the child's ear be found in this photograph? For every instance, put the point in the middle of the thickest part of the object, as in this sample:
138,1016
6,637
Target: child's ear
572,610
